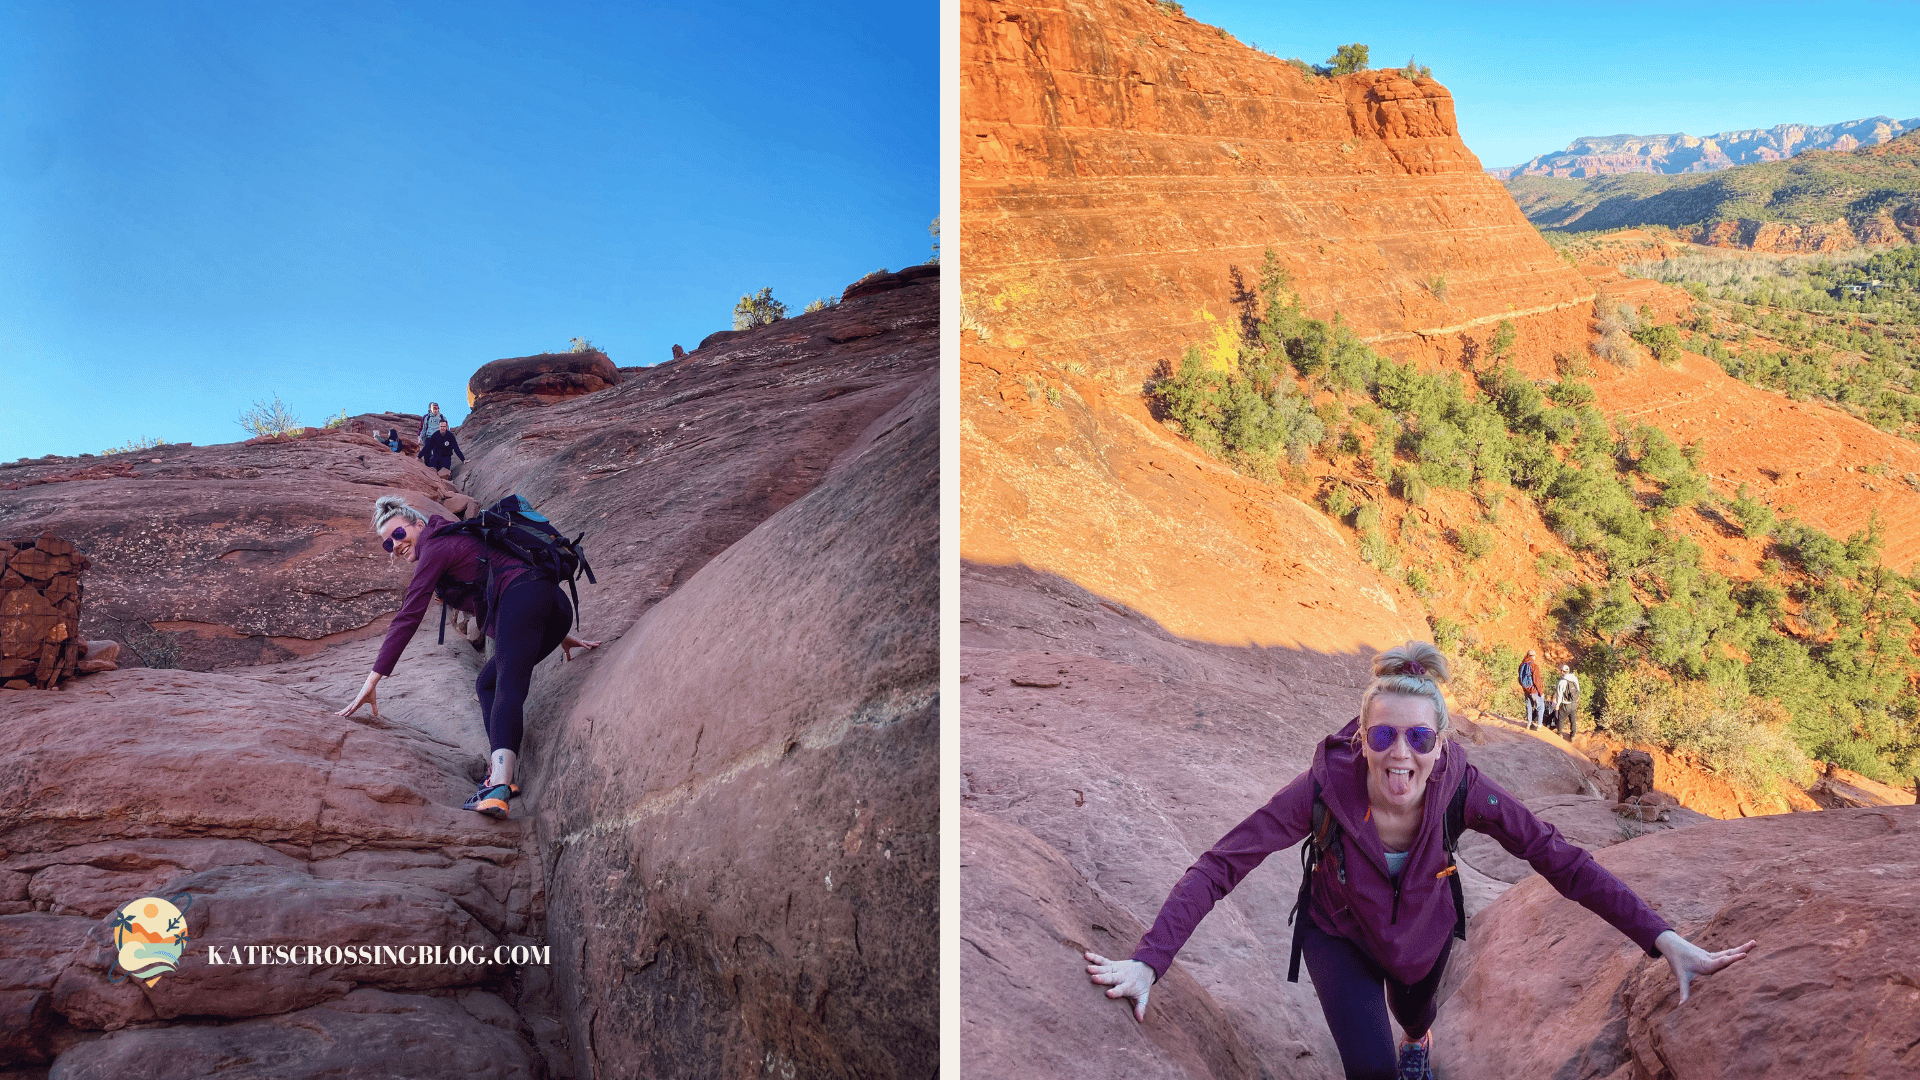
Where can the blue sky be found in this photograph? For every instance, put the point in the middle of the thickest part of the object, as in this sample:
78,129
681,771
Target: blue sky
1530,78
355,204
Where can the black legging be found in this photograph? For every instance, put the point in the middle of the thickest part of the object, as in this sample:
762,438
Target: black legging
533,620
1349,984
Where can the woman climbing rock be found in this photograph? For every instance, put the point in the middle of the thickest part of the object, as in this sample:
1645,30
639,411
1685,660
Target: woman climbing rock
525,613
1381,902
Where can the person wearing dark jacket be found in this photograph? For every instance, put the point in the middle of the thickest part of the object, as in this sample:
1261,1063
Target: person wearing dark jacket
1381,917
392,440
525,613
439,449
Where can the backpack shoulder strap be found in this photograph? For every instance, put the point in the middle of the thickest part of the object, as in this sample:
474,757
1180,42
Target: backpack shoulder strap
1456,824
1325,834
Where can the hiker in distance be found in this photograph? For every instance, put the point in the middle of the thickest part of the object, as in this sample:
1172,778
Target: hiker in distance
1566,701
431,422
1380,903
438,448
525,613
1535,690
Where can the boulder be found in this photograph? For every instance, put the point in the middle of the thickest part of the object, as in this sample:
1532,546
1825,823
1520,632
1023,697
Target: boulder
545,375
100,656
40,591
1828,992
881,282
1636,773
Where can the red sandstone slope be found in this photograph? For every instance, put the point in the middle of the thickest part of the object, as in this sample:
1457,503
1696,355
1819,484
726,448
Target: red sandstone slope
730,850
1118,164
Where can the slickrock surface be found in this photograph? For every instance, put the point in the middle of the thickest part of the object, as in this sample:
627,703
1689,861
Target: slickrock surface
1096,491
1828,992
239,553
287,823
1085,800
738,809
741,830
1119,165
365,1033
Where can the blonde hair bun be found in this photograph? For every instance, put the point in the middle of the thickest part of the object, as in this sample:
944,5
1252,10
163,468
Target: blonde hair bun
1412,668
1413,660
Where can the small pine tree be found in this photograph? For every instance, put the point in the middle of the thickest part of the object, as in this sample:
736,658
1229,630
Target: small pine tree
758,309
934,231
1348,59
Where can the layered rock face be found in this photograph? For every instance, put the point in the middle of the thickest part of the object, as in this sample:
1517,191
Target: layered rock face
1123,169
769,734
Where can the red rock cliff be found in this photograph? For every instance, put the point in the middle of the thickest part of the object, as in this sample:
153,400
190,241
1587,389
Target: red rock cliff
1119,164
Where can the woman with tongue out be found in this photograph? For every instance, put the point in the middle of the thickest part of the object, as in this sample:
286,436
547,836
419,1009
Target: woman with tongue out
1381,916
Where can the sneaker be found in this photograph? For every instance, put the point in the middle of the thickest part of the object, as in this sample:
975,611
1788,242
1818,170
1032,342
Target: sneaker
1413,1059
490,800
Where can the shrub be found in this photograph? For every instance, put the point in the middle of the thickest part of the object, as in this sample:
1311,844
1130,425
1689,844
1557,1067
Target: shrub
1411,485
1474,543
1376,549
1503,340
1337,502
131,445
1741,736
338,421
268,418
580,344
1446,634
1169,7
933,230
1662,341
1417,581
759,309
826,302
1348,59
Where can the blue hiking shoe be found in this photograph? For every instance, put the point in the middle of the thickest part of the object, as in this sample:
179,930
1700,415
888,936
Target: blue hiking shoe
1414,1064
490,800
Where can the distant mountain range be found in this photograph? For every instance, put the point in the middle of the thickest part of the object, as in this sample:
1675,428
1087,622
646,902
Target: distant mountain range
1611,155
1814,202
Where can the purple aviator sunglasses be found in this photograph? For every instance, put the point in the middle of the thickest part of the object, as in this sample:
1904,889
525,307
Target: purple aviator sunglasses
401,534
1421,740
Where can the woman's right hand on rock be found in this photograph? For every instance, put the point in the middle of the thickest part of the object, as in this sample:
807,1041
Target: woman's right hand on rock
1126,978
365,697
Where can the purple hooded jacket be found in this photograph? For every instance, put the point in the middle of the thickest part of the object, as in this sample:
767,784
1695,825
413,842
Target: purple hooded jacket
1403,926
440,555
